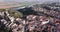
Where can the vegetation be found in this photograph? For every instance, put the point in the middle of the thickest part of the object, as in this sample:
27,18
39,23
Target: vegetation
13,13
16,14
26,11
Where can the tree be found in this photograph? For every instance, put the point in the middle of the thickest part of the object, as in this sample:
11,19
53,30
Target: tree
16,14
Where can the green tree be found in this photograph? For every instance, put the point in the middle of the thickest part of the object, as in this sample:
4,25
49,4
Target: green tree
16,14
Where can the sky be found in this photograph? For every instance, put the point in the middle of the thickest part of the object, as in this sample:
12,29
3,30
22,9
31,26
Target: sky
26,0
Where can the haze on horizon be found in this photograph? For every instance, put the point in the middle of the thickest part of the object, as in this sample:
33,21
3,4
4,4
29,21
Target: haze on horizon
28,0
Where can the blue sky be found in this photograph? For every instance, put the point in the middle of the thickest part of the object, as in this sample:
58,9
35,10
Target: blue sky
26,0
